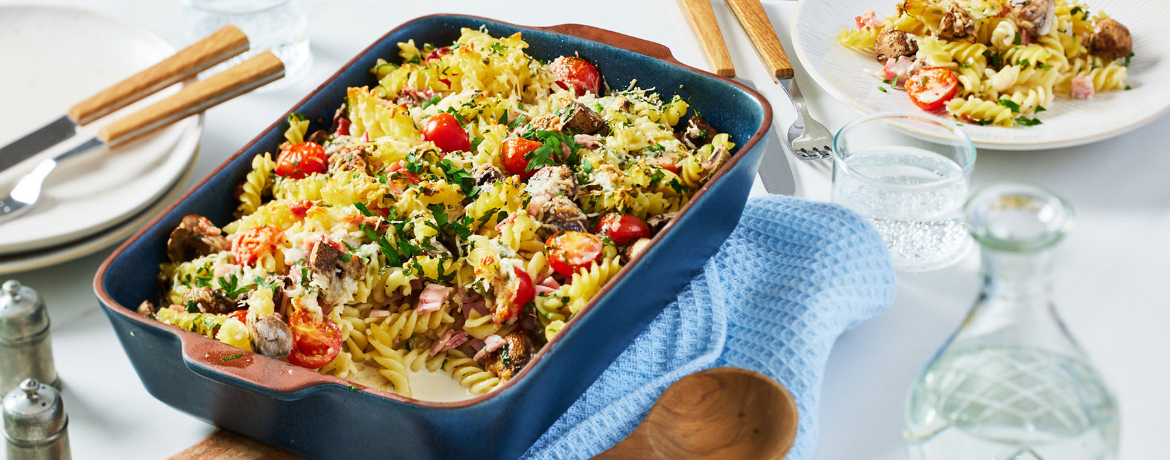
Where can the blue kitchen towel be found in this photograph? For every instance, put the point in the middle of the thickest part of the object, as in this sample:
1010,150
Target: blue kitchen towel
792,276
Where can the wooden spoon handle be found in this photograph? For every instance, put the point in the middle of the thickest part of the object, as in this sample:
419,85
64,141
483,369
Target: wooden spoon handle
225,445
702,19
201,55
196,97
754,21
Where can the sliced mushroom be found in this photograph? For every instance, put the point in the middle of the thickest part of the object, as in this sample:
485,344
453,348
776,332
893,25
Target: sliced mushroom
512,357
697,132
349,158
893,44
551,181
957,24
583,120
146,308
209,300
319,136
1035,16
560,214
486,175
195,237
1110,40
335,266
271,337
635,248
713,162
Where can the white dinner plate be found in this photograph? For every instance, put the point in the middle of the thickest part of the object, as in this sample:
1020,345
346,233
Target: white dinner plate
24,261
839,70
52,58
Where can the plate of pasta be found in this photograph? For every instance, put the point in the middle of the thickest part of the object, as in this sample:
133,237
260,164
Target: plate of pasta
1016,74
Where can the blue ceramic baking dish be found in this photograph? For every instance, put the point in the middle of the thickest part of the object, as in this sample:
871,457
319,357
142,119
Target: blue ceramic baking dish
320,416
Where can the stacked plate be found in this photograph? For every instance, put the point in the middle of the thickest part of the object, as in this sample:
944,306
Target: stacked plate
97,199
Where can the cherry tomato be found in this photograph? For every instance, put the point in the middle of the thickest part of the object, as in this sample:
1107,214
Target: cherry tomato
932,87
250,246
516,293
577,72
239,315
444,130
316,341
569,252
300,208
622,228
301,160
513,152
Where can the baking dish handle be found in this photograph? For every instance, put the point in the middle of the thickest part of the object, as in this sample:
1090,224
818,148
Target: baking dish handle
614,39
229,365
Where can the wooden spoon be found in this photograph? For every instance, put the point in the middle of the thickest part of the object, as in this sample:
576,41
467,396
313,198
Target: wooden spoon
723,413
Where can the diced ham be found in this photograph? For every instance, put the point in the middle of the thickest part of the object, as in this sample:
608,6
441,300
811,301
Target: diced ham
511,217
548,285
449,340
868,19
490,343
1026,38
1082,87
898,69
586,141
432,297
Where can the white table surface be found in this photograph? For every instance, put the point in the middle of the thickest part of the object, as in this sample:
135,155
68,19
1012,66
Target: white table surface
1111,276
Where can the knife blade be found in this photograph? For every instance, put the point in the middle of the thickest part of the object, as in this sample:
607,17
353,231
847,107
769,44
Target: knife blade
188,62
775,171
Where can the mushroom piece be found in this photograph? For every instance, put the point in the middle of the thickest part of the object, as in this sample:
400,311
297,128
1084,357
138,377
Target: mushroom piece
209,300
1110,40
146,308
1035,16
892,44
583,120
486,175
635,248
551,181
271,337
560,214
336,267
713,162
957,24
510,358
696,134
195,237
348,158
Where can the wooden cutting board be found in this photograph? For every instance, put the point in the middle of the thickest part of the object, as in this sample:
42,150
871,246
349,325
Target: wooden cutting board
225,445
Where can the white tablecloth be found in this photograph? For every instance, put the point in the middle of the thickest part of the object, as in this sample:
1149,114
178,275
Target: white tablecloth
1110,277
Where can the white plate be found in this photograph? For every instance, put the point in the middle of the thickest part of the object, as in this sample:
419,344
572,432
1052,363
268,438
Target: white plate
11,263
1066,123
52,58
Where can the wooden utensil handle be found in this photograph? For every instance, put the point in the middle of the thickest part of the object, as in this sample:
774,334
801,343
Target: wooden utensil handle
214,49
225,445
755,22
196,97
702,19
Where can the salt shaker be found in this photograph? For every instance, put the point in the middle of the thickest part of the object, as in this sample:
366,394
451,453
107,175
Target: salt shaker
25,351
35,424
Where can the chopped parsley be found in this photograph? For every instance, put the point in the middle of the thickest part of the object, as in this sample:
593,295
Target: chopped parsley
475,143
1128,58
1025,121
232,288
229,358
192,307
882,89
1010,104
391,254
353,387
586,166
432,101
361,207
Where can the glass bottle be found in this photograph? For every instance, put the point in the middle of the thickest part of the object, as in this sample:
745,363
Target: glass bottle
1012,383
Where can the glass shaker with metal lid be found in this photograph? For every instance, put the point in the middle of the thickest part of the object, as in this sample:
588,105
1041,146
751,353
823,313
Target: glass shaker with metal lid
35,424
1011,383
25,351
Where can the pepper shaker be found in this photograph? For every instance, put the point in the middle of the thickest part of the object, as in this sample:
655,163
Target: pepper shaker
25,351
35,423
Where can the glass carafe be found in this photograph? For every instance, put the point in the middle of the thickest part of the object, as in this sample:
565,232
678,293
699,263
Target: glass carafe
1012,383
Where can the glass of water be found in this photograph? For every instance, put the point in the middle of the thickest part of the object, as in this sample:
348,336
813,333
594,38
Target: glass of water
912,188
280,26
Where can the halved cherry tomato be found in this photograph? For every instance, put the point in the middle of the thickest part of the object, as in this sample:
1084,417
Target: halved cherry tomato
444,130
517,292
301,160
577,72
569,252
664,163
239,315
932,87
622,228
513,152
250,246
316,341
300,208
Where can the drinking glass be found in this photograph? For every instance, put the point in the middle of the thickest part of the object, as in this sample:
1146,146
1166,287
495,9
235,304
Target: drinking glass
912,188
279,26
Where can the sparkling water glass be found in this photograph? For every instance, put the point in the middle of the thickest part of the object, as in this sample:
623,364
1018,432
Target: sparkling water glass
912,188
279,26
